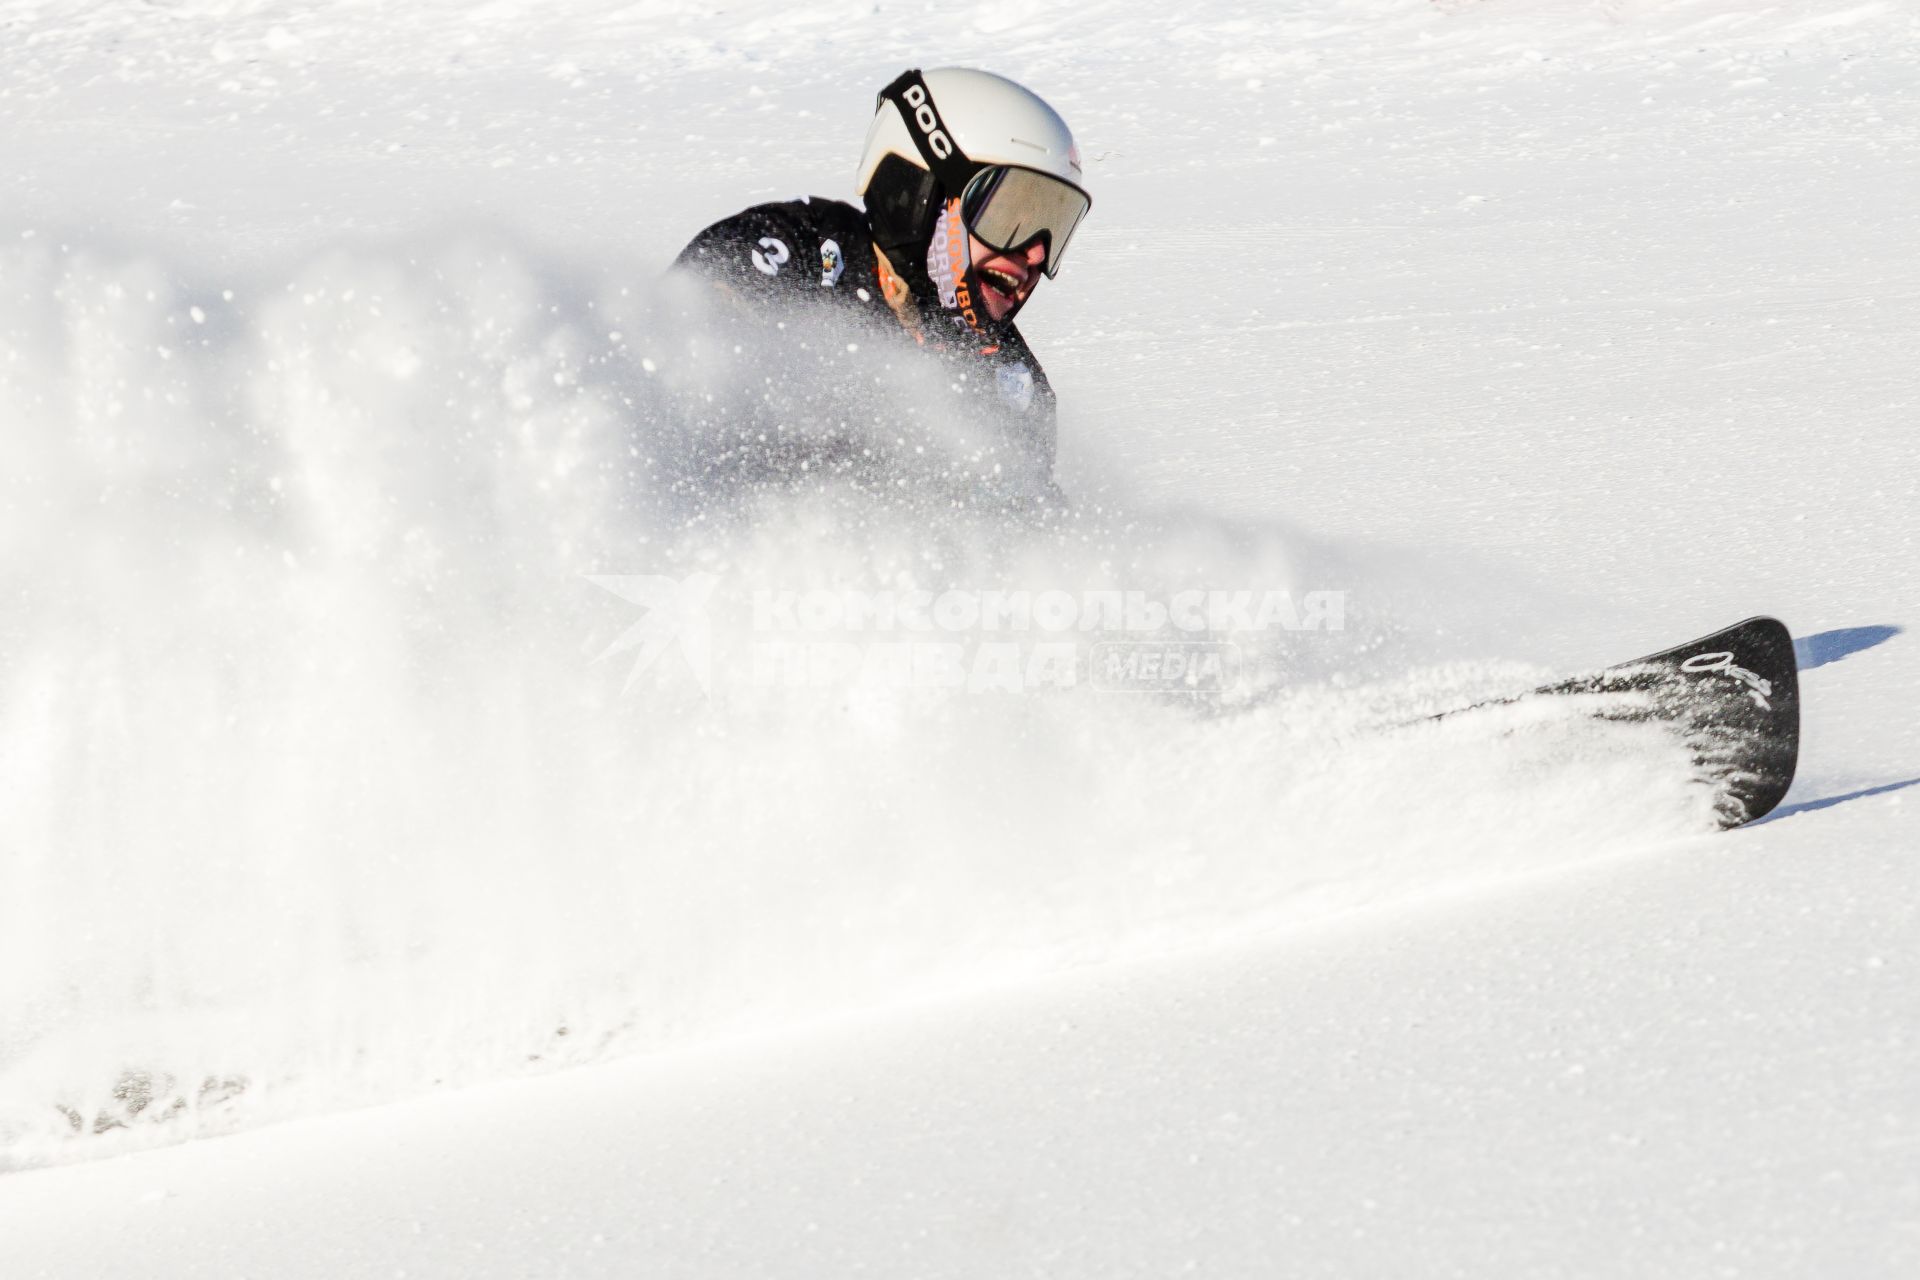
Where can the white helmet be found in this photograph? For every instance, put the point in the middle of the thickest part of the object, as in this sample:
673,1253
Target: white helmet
966,122
991,119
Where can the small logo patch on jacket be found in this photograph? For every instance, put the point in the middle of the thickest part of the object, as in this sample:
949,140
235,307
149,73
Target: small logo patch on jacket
831,264
1016,385
775,256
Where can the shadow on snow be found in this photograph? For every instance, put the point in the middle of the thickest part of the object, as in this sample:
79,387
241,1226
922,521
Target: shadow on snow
1831,646
1808,806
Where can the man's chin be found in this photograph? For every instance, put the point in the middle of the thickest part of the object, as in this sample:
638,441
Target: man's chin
999,305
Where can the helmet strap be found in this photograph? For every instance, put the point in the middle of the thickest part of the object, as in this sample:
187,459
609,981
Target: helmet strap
910,95
950,266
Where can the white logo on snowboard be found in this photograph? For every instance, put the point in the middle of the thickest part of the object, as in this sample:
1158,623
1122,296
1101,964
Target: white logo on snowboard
1757,688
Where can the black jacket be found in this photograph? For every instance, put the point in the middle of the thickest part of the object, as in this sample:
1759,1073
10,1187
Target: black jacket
818,255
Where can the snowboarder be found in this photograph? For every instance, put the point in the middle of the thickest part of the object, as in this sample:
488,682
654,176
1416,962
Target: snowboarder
972,189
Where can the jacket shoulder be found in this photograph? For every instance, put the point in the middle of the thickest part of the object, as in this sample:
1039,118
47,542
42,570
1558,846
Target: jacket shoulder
768,244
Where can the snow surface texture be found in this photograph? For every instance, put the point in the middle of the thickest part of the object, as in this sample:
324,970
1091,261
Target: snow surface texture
333,360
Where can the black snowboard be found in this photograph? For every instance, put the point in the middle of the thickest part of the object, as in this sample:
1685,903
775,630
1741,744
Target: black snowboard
1733,697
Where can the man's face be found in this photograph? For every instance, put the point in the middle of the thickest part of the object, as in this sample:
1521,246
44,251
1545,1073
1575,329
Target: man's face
1007,278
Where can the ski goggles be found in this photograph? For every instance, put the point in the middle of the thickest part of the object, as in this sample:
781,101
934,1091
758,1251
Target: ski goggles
1007,208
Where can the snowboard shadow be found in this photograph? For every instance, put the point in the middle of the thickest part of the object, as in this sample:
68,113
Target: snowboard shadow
1808,806
1843,642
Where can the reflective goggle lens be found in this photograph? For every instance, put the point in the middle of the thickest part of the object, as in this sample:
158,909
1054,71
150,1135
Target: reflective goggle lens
1008,208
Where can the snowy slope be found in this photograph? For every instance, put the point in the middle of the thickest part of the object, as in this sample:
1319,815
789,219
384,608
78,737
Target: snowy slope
1549,333
1589,1077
